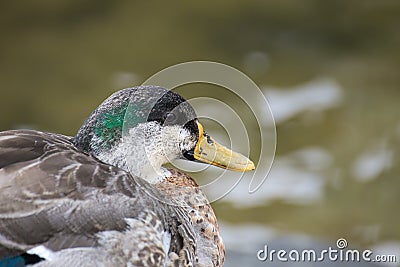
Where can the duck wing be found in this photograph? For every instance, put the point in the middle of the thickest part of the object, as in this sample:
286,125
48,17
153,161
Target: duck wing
121,248
52,193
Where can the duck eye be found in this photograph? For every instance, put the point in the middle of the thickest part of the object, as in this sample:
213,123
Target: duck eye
170,117
193,138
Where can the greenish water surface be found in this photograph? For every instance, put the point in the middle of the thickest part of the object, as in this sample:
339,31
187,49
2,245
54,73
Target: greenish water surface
60,59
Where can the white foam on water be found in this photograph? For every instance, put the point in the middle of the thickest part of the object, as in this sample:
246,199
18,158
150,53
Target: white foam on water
245,237
373,162
317,95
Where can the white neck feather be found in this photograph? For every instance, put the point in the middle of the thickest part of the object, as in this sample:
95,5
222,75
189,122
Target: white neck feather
145,148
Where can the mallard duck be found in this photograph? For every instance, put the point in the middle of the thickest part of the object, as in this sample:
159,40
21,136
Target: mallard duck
103,197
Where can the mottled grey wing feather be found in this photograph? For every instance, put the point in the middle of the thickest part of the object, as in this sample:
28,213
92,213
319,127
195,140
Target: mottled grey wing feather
51,192
120,248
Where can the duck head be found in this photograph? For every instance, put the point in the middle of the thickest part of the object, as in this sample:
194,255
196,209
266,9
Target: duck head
140,129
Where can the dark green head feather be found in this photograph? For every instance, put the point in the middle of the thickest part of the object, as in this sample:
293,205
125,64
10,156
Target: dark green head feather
127,108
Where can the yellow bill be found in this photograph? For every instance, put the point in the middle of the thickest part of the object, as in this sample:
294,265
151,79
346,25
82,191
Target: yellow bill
207,150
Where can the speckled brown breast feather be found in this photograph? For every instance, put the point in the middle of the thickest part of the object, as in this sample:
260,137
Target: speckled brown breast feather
185,192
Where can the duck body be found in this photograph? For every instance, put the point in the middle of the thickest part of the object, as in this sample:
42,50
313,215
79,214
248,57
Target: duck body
92,199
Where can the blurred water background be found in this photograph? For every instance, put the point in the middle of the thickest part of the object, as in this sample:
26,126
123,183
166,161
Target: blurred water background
330,70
